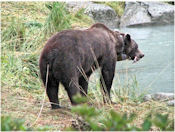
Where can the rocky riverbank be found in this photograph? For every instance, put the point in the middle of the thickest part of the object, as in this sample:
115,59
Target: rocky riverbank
160,96
98,12
135,13
147,13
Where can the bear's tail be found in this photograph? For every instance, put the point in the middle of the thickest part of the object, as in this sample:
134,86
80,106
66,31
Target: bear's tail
43,69
44,61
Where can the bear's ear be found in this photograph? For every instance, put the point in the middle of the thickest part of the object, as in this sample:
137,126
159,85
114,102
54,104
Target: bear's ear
127,37
121,35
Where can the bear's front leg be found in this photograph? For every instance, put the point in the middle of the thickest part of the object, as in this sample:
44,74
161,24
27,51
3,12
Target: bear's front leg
83,82
106,79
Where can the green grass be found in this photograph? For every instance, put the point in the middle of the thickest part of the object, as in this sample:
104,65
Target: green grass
24,36
8,124
26,26
114,121
58,19
118,6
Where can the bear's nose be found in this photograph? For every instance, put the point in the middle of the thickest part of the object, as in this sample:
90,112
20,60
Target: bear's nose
142,55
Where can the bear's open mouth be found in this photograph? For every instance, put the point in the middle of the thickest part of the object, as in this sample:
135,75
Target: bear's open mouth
135,59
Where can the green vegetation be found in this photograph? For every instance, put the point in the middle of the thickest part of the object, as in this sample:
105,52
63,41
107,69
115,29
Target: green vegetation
8,124
58,19
26,26
118,6
22,39
114,121
12,124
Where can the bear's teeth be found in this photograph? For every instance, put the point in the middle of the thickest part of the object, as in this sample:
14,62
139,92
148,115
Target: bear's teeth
135,59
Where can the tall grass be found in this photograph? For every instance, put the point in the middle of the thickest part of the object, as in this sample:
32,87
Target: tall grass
127,89
58,19
15,32
123,90
21,45
20,71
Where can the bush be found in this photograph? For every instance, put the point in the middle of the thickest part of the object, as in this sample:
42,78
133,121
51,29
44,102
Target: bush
11,124
113,121
8,124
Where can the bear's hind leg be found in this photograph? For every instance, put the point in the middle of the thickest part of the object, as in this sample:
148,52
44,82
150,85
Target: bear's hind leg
72,87
52,93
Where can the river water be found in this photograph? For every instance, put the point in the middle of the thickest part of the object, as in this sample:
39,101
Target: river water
154,72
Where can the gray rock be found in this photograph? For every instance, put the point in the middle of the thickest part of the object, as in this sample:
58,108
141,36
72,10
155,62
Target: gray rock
134,14
160,12
98,12
103,14
147,97
141,13
163,96
171,103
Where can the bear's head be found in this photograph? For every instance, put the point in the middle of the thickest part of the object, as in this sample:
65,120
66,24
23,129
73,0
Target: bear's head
131,49
127,48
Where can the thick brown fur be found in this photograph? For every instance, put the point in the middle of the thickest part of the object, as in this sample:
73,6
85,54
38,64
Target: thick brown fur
70,53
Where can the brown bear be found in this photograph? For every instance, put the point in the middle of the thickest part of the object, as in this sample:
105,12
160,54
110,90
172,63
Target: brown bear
71,54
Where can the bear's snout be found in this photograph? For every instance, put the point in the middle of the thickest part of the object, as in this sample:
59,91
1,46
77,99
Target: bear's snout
138,57
142,55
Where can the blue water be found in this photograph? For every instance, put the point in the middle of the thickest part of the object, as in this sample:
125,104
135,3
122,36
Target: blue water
154,72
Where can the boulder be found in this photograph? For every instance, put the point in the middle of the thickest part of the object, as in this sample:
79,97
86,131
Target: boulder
171,103
103,14
134,14
160,12
145,13
98,12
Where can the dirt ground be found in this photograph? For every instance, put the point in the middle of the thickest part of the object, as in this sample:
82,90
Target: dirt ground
23,104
